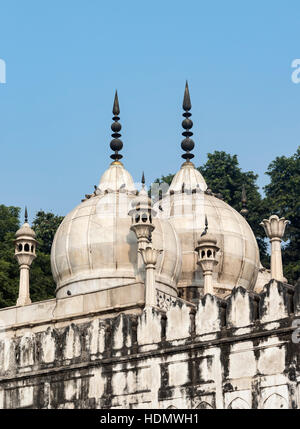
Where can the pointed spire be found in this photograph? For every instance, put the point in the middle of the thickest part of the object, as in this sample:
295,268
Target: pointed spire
143,190
206,227
244,210
186,105
187,143
116,107
116,144
26,215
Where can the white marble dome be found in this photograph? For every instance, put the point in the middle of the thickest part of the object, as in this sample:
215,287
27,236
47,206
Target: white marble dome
238,258
94,248
188,176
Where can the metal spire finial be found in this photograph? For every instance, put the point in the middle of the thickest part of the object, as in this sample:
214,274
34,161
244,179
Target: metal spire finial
26,215
116,144
244,210
187,144
187,105
143,179
206,227
116,107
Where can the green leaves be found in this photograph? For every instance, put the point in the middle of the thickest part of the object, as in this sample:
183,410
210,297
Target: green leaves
42,285
283,199
45,226
9,272
222,174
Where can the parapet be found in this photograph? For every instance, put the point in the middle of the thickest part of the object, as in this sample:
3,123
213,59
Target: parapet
212,319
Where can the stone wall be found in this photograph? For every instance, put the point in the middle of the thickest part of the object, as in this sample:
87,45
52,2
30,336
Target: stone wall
236,353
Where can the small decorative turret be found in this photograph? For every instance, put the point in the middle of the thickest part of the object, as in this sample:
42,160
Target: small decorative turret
187,143
244,210
274,229
116,144
25,253
142,214
150,257
207,251
206,227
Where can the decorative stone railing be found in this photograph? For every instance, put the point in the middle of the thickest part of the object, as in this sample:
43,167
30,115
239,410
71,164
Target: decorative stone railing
164,300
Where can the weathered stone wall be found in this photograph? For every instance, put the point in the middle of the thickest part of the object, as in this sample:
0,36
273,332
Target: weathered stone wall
236,353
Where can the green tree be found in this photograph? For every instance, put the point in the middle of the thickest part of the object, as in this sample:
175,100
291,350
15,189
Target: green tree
283,199
42,285
165,179
223,175
45,226
9,272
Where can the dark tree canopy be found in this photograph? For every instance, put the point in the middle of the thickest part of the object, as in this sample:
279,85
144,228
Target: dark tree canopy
42,285
222,174
283,199
9,271
45,226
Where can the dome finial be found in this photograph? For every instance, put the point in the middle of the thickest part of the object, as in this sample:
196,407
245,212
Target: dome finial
116,107
143,180
206,227
207,250
244,210
116,144
26,215
186,105
187,143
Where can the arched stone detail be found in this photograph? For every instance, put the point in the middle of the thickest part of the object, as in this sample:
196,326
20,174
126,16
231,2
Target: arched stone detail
238,404
274,402
203,405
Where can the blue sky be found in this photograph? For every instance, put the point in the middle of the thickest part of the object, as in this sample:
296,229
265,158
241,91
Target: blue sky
66,58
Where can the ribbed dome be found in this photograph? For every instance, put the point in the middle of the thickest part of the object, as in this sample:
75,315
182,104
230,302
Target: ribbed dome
25,231
190,177
116,177
238,256
94,248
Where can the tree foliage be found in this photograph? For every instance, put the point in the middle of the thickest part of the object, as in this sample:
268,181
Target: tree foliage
9,272
45,226
283,199
222,174
42,285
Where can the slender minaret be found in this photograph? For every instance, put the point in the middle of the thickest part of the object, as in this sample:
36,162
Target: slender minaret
206,227
150,256
187,143
188,179
207,250
244,210
142,214
274,229
25,253
116,144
